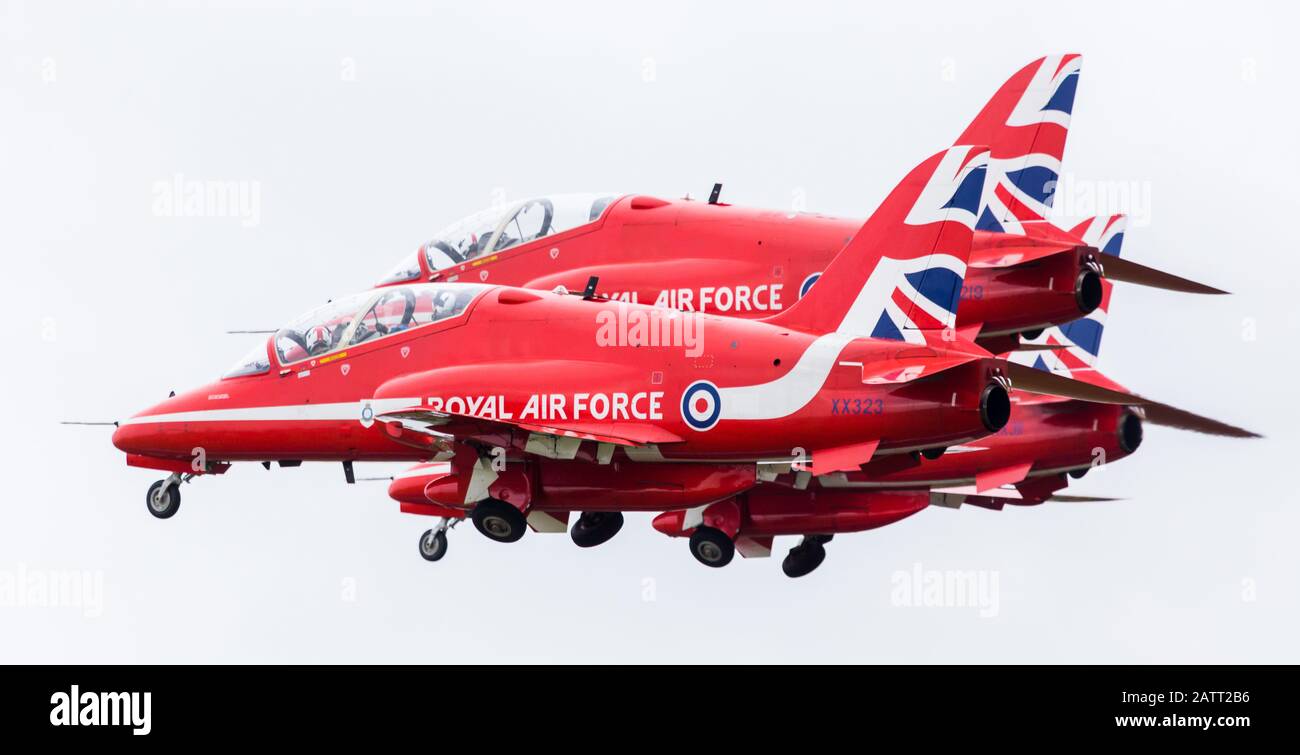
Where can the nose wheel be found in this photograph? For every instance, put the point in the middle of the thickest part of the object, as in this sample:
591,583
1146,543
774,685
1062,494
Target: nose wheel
164,497
805,557
433,544
712,547
595,527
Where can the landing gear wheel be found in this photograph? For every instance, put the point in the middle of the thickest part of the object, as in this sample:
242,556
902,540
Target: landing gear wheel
433,544
595,527
163,498
934,453
803,559
1078,473
712,547
499,521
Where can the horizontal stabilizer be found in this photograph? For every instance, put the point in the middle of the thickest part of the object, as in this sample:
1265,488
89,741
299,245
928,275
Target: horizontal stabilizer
1030,380
1082,499
1169,416
994,250
936,355
1128,271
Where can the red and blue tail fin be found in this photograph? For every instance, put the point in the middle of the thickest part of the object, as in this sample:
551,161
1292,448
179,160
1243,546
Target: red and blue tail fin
1025,125
901,273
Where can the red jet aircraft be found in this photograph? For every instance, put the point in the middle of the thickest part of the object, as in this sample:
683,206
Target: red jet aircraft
1025,274
517,386
1024,463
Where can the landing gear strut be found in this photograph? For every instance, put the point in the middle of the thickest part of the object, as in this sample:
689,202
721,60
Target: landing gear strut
805,557
433,543
499,521
164,496
595,527
712,547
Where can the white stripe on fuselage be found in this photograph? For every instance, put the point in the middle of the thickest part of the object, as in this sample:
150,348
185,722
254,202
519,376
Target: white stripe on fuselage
790,392
350,410
793,390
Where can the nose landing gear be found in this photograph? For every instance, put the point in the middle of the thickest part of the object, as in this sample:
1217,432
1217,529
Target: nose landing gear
164,496
433,543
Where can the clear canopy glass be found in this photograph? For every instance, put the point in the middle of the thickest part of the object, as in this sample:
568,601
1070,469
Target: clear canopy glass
255,362
407,270
360,318
503,226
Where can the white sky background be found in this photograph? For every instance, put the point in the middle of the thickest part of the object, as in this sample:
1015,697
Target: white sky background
829,102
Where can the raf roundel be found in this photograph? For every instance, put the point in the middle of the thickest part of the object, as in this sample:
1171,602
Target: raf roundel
808,284
701,405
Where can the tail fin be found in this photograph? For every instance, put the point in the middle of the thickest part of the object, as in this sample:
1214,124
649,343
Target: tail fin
1081,338
902,272
1025,125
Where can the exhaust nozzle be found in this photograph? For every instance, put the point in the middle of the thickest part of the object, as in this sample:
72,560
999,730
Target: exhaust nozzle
995,407
1088,290
1130,432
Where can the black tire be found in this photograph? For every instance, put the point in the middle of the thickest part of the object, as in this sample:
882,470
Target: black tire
934,453
1030,335
163,499
595,527
1078,473
499,521
803,559
433,545
712,547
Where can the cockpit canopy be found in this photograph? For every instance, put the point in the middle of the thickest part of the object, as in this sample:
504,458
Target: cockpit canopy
359,318
500,227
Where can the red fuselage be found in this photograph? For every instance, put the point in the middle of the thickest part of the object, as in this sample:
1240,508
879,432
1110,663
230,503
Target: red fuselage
520,359
751,263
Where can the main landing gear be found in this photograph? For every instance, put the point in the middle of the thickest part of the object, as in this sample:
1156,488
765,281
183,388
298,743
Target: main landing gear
164,496
805,557
499,520
712,547
595,527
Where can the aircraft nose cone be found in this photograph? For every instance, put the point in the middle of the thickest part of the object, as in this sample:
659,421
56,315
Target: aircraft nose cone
148,438
129,439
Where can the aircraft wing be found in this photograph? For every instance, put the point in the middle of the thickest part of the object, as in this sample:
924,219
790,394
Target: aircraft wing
1025,492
